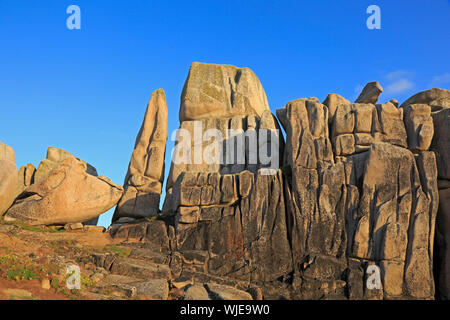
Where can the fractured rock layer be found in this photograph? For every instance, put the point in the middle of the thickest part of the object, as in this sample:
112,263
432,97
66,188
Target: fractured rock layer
440,146
355,195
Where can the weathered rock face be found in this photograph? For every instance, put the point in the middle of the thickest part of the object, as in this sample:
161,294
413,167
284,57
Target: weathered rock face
244,233
8,184
393,222
26,177
419,126
351,214
370,93
332,101
306,119
246,142
440,146
355,127
336,223
431,97
8,177
216,91
54,157
143,182
67,194
391,127
226,207
7,153
29,175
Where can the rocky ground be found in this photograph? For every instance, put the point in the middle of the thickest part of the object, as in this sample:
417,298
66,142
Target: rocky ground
34,261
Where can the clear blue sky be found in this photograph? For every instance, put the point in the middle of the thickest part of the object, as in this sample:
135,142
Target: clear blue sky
86,90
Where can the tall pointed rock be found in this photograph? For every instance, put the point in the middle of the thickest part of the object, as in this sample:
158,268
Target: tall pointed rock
145,176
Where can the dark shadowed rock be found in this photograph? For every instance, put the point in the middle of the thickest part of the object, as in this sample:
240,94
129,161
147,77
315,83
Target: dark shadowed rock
8,184
440,146
332,101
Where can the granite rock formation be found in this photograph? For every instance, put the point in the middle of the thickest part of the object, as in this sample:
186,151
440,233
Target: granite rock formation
370,93
145,176
439,102
354,206
354,187
67,194
355,192
29,175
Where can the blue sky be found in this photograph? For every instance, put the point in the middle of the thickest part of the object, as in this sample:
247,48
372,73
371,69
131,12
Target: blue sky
86,90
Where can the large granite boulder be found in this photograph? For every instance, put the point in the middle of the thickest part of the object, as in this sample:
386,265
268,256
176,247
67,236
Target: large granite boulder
7,153
440,144
8,177
236,144
433,96
29,174
332,101
145,176
213,90
54,157
370,93
67,194
245,236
